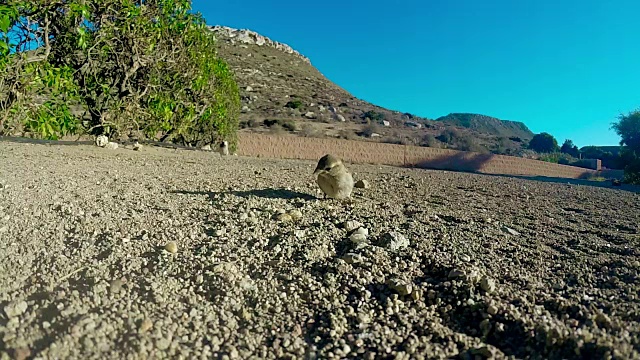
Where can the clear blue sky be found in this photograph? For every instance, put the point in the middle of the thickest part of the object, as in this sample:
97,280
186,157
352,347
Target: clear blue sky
568,67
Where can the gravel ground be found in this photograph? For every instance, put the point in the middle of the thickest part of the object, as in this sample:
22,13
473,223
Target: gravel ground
180,254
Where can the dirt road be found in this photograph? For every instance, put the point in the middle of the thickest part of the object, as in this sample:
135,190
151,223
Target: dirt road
157,253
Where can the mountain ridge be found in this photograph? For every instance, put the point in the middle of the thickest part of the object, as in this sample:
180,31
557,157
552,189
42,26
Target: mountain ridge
282,91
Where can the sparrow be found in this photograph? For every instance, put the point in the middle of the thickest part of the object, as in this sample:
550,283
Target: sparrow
333,178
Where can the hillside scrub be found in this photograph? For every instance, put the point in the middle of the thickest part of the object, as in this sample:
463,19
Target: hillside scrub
114,67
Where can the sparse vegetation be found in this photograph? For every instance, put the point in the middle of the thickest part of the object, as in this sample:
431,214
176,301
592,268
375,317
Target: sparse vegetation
429,140
294,104
373,115
369,130
628,128
114,67
460,141
279,124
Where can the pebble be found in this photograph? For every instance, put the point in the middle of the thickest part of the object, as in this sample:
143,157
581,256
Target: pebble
116,286
352,258
363,231
358,238
352,225
137,146
465,258
456,274
295,214
163,344
394,241
16,309
111,145
299,233
145,325
510,231
362,184
285,217
492,310
488,285
22,353
4,229
485,327
171,247
400,286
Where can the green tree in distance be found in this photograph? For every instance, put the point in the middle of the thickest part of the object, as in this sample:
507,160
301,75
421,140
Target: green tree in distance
628,128
543,143
568,147
117,67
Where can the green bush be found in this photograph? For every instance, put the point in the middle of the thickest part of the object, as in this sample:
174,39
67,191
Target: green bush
543,143
147,69
373,115
628,128
294,104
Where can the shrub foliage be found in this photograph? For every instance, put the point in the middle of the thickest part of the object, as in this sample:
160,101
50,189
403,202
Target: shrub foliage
628,128
117,67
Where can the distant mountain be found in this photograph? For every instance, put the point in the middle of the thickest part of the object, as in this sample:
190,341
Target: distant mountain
488,125
281,91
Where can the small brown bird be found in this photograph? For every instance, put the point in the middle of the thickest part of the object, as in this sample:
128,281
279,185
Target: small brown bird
333,178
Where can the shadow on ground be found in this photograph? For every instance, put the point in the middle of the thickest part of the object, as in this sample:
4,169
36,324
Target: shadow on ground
474,163
267,193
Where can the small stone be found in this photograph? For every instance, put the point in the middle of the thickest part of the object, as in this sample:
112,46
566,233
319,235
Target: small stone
465,258
394,241
510,231
400,286
243,216
485,327
357,238
352,225
456,274
111,145
299,233
603,321
116,286
488,285
362,184
163,344
485,352
206,147
4,229
295,214
137,146
220,232
102,140
171,247
492,310
22,353
16,309
352,258
416,295
362,231
199,279
145,325
285,217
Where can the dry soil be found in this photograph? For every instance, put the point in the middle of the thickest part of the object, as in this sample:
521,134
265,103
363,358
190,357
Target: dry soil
158,253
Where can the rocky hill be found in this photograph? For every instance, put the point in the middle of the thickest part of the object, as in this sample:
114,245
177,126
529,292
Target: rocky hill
282,91
488,125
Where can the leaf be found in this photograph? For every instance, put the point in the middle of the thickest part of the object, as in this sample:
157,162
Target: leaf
5,22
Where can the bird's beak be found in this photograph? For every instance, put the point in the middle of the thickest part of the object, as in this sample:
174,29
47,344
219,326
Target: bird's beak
316,171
